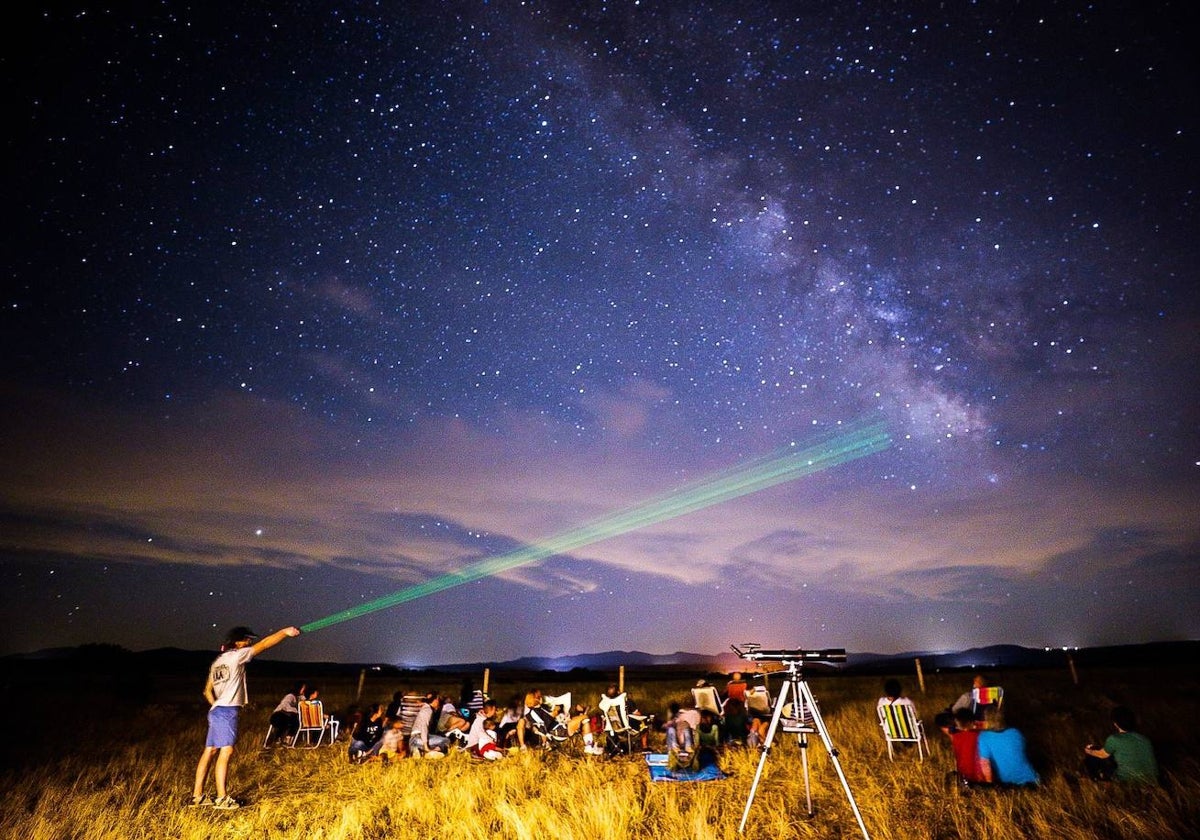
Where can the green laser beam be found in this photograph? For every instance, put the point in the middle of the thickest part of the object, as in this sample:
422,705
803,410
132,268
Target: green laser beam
854,442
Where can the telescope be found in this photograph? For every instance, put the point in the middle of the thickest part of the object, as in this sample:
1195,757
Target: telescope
799,715
752,651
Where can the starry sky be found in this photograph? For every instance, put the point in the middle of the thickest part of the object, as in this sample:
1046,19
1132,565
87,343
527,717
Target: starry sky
307,303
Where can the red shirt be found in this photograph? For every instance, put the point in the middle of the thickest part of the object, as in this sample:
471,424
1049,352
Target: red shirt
966,754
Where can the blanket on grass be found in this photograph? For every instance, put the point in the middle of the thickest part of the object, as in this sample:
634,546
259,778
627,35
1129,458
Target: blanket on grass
660,772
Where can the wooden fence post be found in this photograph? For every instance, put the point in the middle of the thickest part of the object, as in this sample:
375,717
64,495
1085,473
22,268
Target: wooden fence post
621,680
920,675
487,674
1071,665
362,677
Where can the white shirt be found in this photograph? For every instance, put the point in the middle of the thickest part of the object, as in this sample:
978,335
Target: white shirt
228,676
479,734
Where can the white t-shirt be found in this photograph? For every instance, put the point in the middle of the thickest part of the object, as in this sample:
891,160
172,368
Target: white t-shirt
899,701
228,676
479,734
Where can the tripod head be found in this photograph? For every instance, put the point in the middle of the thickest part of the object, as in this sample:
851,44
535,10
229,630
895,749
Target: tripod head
753,652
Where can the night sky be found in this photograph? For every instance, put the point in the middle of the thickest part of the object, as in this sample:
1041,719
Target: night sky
306,303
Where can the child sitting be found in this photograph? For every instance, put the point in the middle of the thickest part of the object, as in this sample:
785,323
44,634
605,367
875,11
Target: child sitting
481,740
392,744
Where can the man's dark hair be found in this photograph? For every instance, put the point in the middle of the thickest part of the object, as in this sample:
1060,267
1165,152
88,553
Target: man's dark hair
1124,718
892,688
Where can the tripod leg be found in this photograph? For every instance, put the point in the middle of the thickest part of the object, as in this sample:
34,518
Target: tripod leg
833,755
766,751
802,739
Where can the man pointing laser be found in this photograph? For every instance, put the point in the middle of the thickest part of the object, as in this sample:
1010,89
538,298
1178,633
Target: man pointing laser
225,691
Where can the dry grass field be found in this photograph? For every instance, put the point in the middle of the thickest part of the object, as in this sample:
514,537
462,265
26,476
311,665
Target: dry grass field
82,763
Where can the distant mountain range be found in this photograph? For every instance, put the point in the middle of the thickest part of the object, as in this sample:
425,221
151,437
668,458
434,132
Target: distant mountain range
166,660
995,656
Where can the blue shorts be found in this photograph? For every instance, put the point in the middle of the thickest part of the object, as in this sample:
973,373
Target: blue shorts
222,726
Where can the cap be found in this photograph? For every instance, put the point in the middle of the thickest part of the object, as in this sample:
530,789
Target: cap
240,634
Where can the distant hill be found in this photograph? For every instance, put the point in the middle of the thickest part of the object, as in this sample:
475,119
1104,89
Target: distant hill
995,656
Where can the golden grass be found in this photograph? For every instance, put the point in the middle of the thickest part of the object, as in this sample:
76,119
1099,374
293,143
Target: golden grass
125,773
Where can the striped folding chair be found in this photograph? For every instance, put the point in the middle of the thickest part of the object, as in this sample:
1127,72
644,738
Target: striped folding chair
900,725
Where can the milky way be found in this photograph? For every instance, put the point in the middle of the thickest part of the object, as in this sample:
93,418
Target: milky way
309,303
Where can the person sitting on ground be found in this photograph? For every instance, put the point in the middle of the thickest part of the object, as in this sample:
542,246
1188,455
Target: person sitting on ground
367,737
736,688
580,722
1002,758
481,740
506,730
391,744
708,733
1126,756
422,741
737,722
285,720
526,734
964,741
760,724
682,722
450,720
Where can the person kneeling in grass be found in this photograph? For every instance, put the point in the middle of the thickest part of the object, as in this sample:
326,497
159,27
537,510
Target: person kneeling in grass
225,691
1127,756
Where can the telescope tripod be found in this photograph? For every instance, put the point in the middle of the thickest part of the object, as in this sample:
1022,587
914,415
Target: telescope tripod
804,719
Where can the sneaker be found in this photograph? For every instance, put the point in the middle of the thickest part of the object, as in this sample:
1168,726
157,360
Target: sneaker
227,803
592,749
204,801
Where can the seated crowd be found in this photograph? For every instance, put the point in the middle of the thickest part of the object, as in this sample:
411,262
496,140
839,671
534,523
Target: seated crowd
986,750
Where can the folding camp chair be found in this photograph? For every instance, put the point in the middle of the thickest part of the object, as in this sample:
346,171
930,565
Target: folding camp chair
900,725
550,731
985,701
553,701
619,729
707,699
758,701
561,702
990,695
313,719
410,704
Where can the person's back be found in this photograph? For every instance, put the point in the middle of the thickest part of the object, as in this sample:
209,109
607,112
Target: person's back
737,722
708,733
420,738
736,688
1134,755
1004,751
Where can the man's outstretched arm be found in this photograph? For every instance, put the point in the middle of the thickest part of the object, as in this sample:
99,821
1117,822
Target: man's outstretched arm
274,639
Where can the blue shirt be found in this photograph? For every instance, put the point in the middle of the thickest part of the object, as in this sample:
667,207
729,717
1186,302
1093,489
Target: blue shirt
1005,750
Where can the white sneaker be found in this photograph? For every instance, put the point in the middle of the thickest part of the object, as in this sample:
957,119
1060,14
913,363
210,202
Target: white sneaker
592,749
